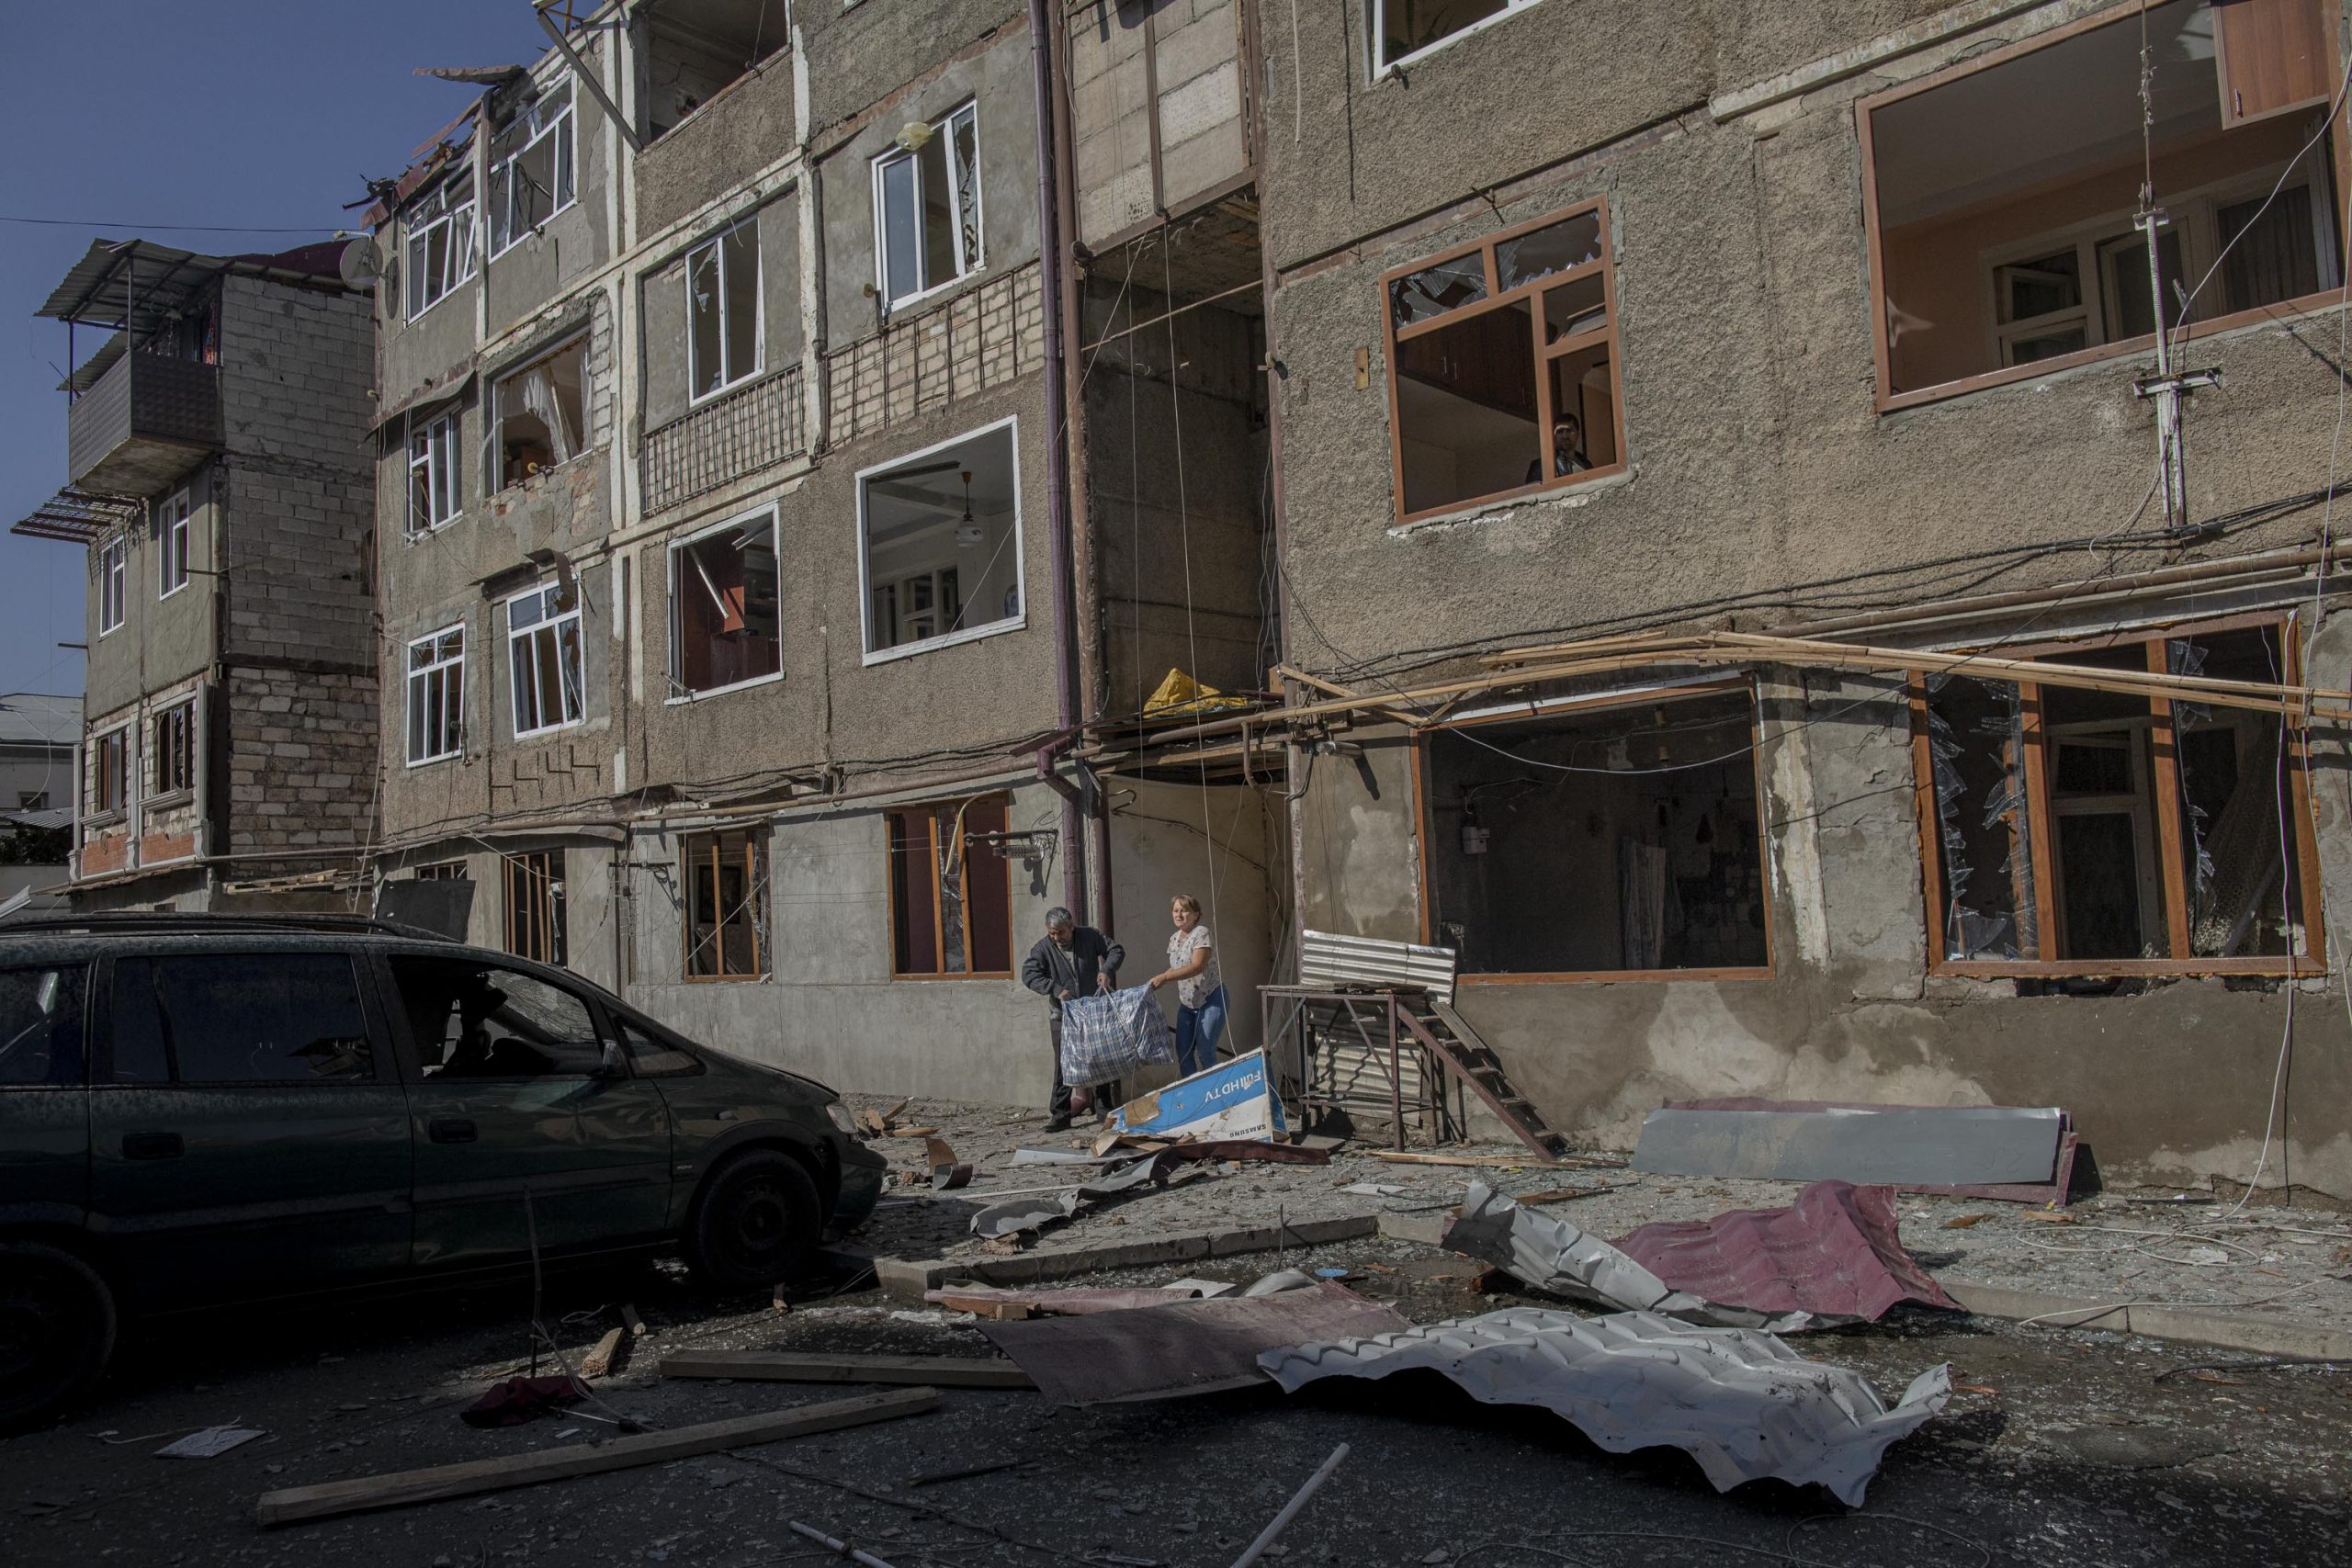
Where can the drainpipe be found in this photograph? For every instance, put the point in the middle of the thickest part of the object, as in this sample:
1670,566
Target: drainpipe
1057,530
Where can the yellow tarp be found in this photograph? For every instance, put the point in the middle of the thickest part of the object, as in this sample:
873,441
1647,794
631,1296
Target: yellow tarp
1180,694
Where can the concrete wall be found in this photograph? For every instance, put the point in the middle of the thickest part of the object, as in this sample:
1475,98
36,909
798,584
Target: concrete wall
666,320
572,243
160,640
748,125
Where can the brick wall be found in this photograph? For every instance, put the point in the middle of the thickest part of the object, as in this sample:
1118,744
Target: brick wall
982,338
301,760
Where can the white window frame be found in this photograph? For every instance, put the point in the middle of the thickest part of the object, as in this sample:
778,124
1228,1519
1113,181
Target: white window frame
452,703
564,123
444,481
869,654
155,715
465,242
2195,217
114,583
173,553
551,620
493,405
972,265
1377,10
678,547
759,313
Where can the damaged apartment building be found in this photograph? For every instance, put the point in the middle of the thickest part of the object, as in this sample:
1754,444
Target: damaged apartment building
806,440
218,479
1813,536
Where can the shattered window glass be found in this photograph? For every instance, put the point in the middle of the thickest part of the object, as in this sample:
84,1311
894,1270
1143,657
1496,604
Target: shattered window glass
2237,858
1573,242
1434,290
1976,746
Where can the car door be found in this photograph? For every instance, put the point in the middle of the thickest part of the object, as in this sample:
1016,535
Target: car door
44,1104
248,1135
520,1124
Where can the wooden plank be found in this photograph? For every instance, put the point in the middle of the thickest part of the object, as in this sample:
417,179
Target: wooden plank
401,1487
599,1361
795,1366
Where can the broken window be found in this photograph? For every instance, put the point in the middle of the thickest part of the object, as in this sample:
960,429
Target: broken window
1621,840
536,411
114,583
534,907
723,310
436,695
1402,29
173,737
694,49
433,472
951,896
110,768
942,535
1503,365
2076,829
441,246
171,569
726,617
1997,251
442,871
725,878
543,652
532,173
927,206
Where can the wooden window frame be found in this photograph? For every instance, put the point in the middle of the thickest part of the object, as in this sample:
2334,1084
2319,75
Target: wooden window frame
1564,707
929,815
178,716
1886,401
2166,789
119,775
442,871
1609,335
691,848
171,564
537,873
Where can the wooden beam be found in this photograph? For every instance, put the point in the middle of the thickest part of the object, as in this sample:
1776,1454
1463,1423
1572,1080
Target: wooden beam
796,1366
403,1487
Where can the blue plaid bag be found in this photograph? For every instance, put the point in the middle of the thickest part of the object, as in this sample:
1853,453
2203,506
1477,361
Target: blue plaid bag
1108,1037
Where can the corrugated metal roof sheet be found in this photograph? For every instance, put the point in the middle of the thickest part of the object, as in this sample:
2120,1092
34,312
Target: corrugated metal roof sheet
1742,1403
1328,959
1834,1253
34,718
140,286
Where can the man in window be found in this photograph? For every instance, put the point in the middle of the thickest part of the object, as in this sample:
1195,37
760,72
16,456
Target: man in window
1069,960
1567,450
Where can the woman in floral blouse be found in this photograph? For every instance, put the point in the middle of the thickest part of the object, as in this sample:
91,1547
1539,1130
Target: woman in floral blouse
1200,989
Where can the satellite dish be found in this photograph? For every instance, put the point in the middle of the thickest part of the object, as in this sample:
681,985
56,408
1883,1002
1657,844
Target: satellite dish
361,263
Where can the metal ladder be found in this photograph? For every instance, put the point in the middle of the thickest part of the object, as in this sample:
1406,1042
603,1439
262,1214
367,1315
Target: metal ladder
1455,1046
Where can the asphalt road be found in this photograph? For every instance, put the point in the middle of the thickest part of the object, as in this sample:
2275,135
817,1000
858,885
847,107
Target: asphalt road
2077,1457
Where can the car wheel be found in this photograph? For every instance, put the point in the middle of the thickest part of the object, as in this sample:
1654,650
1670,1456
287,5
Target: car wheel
57,1324
755,1224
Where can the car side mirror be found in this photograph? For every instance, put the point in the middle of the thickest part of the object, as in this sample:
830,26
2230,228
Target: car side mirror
610,1064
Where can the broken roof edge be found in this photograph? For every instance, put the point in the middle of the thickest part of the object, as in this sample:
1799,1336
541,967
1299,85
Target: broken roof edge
90,294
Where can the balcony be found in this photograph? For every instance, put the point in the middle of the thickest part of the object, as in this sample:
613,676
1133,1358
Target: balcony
142,424
734,434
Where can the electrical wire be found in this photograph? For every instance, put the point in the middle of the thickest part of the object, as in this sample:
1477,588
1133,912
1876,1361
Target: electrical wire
165,228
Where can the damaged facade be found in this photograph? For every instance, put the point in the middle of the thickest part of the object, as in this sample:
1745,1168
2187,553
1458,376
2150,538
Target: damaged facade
217,476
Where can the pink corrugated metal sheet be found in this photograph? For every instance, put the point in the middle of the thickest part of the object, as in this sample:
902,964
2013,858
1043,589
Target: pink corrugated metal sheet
1835,1252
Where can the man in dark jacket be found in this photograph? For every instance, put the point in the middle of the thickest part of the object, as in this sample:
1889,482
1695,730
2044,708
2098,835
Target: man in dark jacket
1069,960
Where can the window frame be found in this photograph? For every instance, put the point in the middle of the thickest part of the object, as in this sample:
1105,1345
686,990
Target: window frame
679,690
1561,707
443,435
493,455
124,773
969,267
546,869
2040,819
161,749
1375,24
929,810
551,619
716,245
416,240
1610,335
114,583
869,654
566,123
174,540
1887,401
755,910
453,705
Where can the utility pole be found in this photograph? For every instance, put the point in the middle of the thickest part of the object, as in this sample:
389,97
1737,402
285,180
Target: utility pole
2168,388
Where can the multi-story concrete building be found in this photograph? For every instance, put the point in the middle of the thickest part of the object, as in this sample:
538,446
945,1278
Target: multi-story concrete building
1595,319
218,476
761,648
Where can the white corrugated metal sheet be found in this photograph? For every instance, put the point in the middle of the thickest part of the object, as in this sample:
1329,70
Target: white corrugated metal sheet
1328,959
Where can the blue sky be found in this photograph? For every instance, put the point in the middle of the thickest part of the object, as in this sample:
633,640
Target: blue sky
267,113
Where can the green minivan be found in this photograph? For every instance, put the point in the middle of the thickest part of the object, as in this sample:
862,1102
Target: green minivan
199,1110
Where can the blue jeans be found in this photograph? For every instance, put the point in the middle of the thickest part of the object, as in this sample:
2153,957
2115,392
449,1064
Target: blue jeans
1197,1029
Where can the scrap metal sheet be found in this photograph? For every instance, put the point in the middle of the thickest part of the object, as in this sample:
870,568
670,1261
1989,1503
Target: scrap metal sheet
1896,1146
1742,1403
1834,1253
1183,1347
1556,1257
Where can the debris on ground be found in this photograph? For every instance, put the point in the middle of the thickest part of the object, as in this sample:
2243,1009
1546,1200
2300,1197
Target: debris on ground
1263,1544
208,1441
1741,1403
1557,1258
1899,1146
1026,1213
1833,1254
804,1365
600,1360
517,1400
996,1302
1234,1099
